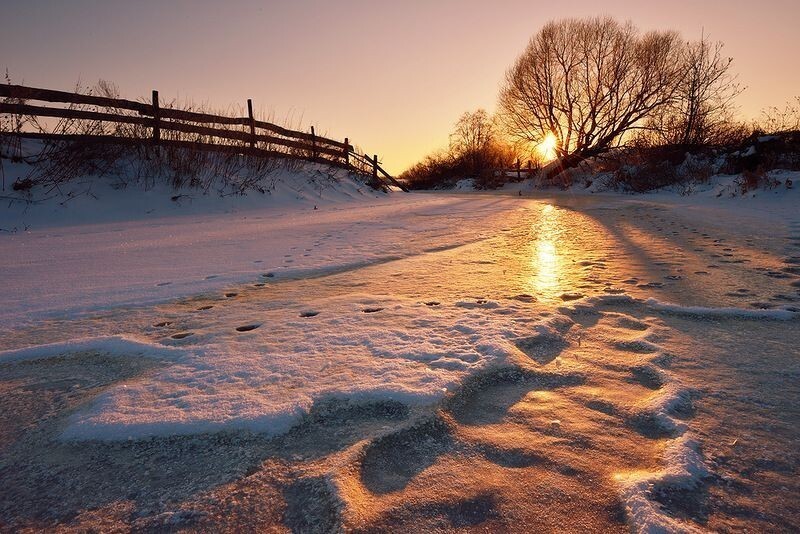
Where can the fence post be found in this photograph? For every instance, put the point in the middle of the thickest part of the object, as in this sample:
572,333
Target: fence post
156,127
375,167
519,173
346,152
252,123
530,168
313,144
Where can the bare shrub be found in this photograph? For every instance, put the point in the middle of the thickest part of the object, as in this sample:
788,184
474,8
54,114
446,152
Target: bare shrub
776,120
752,180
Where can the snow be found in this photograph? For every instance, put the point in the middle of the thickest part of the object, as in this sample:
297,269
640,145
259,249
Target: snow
683,469
780,314
715,196
115,345
370,298
265,380
702,311
467,184
151,258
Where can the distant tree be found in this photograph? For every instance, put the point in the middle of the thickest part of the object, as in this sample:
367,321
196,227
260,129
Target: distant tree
478,146
476,150
702,111
473,132
588,82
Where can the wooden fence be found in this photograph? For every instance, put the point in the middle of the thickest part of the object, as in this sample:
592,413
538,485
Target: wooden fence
519,170
254,136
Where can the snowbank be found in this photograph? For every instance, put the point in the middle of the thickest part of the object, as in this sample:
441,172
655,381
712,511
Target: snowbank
718,190
778,314
683,469
115,345
267,379
96,201
700,311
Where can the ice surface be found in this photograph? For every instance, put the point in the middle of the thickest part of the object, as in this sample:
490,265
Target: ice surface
84,267
565,325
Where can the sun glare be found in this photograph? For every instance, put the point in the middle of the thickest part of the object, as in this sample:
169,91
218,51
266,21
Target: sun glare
544,254
547,148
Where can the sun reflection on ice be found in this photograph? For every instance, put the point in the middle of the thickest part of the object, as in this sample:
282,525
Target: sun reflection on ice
545,260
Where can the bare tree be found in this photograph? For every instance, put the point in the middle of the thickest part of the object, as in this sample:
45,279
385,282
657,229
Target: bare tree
588,82
702,112
473,132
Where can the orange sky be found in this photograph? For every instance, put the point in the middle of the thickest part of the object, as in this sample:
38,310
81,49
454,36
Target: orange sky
392,76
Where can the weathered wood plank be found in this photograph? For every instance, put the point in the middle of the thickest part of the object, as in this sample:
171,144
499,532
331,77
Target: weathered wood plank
50,95
66,113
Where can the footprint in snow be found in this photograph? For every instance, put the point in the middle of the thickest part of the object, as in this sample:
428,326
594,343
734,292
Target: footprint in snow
204,308
212,276
309,313
231,294
162,324
651,285
162,284
247,327
614,290
432,303
372,310
181,335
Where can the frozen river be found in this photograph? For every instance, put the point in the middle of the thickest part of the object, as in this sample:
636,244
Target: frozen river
438,361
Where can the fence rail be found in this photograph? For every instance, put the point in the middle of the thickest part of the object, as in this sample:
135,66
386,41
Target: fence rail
300,145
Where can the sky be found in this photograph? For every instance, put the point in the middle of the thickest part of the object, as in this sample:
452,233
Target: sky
391,76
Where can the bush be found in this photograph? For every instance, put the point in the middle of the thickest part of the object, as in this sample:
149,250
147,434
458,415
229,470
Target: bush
443,169
644,169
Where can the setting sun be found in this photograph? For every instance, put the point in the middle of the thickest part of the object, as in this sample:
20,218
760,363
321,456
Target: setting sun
547,148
